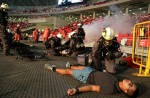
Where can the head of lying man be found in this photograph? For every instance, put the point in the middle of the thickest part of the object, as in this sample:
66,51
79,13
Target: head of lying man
128,87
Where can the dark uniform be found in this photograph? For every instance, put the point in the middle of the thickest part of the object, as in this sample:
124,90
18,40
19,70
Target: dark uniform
80,32
10,39
107,53
3,31
52,46
76,46
73,46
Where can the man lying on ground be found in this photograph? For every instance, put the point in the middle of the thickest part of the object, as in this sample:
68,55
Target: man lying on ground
101,82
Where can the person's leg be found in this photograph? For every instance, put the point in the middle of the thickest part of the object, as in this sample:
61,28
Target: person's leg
5,41
77,67
58,70
64,71
80,75
74,54
97,64
110,66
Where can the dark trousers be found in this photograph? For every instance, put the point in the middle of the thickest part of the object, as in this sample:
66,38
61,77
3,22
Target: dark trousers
96,63
108,65
5,40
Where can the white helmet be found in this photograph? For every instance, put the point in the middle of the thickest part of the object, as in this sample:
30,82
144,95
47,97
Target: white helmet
79,25
108,33
59,35
4,6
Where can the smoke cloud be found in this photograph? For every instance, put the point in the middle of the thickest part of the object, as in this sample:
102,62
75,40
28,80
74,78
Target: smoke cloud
119,22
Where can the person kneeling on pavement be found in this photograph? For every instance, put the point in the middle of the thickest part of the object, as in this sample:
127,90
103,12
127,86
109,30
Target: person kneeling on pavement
100,82
52,45
74,45
105,49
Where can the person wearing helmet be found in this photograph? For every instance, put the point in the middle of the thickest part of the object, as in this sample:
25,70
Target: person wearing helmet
53,45
4,14
75,46
3,31
66,45
105,49
80,32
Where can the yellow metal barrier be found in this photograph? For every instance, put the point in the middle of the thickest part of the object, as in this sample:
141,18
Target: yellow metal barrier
141,48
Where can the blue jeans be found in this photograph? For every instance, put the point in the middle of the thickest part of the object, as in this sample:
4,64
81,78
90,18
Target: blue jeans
82,75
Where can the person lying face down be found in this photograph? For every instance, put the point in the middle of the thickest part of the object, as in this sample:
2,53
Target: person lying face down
101,82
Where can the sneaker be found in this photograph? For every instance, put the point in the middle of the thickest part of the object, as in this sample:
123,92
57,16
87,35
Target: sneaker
50,67
68,64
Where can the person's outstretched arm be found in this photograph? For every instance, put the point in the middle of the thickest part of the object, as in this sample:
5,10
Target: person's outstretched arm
88,88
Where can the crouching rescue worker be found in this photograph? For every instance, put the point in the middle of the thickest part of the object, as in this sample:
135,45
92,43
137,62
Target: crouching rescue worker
3,31
105,49
52,45
75,46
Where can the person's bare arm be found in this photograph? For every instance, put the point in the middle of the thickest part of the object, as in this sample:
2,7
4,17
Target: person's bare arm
88,88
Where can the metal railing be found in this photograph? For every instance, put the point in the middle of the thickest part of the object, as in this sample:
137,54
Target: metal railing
141,48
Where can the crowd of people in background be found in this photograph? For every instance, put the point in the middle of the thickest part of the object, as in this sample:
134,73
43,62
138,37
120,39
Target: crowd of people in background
49,9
